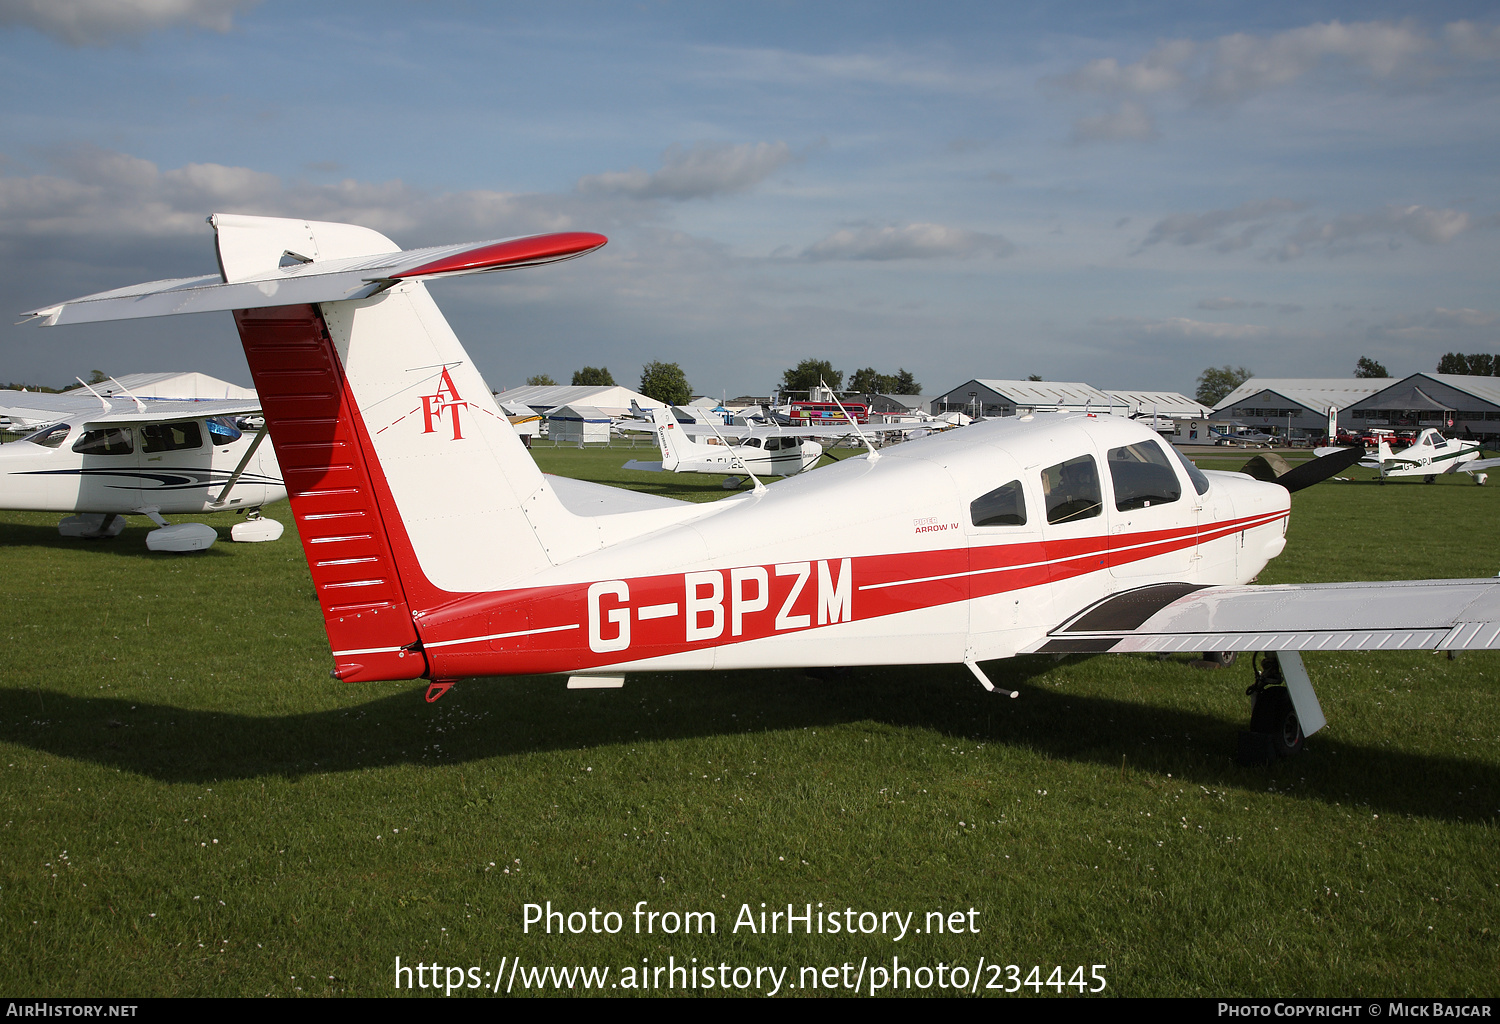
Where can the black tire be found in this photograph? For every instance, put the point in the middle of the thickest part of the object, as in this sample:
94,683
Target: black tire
1223,659
1274,714
1429,479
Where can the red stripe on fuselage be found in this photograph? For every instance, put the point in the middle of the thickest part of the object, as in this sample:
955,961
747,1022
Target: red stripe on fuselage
879,586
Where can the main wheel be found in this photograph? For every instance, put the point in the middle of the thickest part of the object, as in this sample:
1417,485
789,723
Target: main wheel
1273,713
1223,659
1429,479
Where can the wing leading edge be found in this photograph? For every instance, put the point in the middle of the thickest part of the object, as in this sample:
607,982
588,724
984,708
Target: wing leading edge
1409,615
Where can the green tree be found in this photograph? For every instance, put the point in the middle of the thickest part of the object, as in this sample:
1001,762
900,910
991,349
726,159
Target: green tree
98,377
1367,367
810,373
1217,381
541,380
905,383
665,382
1035,376
593,375
1479,364
868,381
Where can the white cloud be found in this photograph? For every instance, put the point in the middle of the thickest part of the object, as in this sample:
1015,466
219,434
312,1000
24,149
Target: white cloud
1158,71
102,22
1343,233
906,241
1127,122
1242,64
705,170
1182,327
1235,67
1228,302
1199,228
1438,323
93,192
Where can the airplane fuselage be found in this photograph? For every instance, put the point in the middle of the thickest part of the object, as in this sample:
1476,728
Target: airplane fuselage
884,561
177,468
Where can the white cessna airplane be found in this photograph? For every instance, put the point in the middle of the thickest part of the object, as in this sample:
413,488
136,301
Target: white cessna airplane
765,453
105,458
1429,456
438,549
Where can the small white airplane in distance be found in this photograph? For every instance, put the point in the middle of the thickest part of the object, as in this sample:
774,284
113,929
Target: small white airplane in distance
758,455
1243,439
1429,456
438,549
105,458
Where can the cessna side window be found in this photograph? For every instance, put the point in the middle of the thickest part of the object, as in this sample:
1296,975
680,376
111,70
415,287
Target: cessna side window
1200,482
1143,476
170,437
1072,490
221,431
50,437
113,441
752,442
1004,506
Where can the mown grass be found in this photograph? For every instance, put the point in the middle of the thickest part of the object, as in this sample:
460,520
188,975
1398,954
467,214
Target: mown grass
192,807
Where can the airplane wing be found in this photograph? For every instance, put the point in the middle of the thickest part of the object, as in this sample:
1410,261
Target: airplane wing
1478,465
1408,615
49,408
356,277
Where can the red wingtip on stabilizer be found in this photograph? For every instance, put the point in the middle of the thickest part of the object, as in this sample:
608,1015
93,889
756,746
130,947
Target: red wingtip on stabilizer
517,252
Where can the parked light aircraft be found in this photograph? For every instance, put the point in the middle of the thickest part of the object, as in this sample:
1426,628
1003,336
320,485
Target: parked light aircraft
150,457
759,455
1429,456
438,550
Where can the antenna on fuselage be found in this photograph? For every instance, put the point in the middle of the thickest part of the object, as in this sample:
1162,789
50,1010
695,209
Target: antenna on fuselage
873,453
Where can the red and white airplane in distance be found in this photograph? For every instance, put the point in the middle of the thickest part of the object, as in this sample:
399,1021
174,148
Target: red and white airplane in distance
439,550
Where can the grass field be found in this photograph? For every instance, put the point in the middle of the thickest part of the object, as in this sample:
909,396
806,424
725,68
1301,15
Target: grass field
191,806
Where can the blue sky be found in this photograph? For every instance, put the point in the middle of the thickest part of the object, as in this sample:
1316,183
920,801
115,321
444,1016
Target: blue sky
1119,194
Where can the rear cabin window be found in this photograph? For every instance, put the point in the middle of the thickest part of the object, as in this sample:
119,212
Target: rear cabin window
1004,506
113,441
1143,476
170,437
221,430
1072,490
50,437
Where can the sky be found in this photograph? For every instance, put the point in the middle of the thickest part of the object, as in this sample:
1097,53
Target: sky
1117,193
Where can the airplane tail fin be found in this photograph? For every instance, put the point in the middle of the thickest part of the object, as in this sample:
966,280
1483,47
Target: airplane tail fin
675,447
1383,452
409,486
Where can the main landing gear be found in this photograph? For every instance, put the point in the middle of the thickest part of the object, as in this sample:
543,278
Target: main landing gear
1276,729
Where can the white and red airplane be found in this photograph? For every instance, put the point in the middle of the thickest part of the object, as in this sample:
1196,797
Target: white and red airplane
440,551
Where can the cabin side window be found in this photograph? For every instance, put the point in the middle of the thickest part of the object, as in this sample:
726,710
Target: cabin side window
1072,490
110,441
752,442
1143,476
170,437
1004,506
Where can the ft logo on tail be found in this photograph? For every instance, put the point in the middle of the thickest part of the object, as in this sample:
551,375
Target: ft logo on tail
445,399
